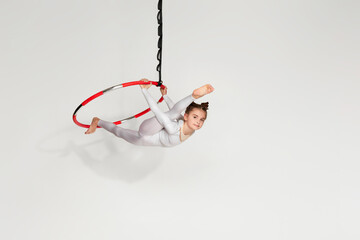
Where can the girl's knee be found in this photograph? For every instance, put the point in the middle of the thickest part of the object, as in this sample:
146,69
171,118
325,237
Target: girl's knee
171,128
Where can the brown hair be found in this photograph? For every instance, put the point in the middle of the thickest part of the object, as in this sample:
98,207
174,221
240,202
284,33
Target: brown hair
203,106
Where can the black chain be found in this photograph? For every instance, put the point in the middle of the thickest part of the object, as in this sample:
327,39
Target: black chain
159,19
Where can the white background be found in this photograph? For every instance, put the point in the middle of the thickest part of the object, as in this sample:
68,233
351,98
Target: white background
278,157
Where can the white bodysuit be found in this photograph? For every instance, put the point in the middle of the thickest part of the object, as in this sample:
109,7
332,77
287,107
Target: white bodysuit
164,129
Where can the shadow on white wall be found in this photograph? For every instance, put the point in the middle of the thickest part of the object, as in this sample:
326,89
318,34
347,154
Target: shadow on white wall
106,155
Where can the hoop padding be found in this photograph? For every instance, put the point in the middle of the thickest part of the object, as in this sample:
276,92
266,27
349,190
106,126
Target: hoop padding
122,85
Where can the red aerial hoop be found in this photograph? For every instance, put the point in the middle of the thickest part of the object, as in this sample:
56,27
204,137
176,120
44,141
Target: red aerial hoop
122,85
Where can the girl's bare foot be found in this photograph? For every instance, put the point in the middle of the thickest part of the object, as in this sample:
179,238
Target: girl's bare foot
202,91
93,125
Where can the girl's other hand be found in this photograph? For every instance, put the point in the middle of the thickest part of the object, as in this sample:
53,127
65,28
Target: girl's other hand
147,86
163,91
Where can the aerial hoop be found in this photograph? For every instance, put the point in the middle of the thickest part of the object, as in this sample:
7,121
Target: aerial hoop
121,85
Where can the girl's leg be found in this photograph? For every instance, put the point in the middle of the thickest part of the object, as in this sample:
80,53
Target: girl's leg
202,91
169,125
179,107
152,125
93,125
128,135
166,120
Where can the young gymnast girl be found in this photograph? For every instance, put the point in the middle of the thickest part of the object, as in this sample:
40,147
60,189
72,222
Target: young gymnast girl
165,129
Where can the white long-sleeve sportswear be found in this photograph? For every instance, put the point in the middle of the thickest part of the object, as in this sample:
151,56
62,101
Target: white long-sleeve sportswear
164,129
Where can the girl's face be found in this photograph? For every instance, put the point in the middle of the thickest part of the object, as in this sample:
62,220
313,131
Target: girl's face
195,119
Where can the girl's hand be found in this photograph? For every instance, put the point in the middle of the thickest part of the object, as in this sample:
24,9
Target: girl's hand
147,86
163,91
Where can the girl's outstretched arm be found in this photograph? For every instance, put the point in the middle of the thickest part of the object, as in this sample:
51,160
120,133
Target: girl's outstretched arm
167,99
163,119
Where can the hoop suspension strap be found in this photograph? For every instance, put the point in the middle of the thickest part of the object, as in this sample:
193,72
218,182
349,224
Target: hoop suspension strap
160,28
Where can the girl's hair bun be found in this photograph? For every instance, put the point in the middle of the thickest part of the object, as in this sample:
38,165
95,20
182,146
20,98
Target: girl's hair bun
205,106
